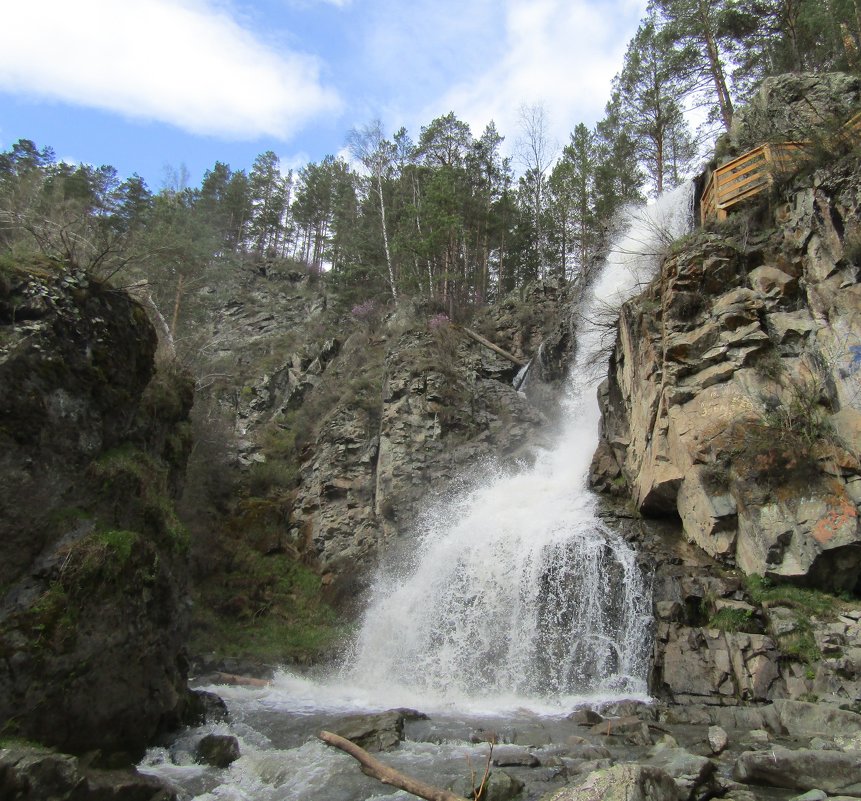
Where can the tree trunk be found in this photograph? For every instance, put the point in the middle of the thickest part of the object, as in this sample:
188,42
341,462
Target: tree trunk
386,237
375,769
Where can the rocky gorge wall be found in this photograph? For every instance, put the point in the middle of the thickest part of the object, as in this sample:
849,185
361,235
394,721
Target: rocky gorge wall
732,413
93,443
363,411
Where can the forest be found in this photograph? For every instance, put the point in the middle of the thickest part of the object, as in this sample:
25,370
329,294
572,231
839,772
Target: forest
457,217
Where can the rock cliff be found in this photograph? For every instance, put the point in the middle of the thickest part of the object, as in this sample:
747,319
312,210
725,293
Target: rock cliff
346,420
93,442
732,424
733,396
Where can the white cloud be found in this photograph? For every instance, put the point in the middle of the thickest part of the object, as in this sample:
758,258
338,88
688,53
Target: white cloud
561,54
184,62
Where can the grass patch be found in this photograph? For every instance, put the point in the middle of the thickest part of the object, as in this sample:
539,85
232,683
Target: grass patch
731,620
799,644
807,602
266,606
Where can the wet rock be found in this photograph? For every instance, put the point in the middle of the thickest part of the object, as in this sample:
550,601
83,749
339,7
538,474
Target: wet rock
218,750
586,750
617,727
718,739
692,773
378,732
204,707
585,717
33,774
832,771
500,786
504,757
629,782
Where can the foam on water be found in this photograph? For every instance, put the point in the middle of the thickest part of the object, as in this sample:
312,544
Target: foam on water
518,602
519,595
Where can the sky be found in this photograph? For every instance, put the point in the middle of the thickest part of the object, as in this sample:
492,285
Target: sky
166,87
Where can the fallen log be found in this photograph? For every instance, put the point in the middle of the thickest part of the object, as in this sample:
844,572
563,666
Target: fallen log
488,344
383,773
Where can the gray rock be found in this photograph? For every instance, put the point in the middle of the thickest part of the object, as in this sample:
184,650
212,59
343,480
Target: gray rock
630,782
810,795
218,750
834,772
804,719
375,732
506,757
34,774
718,739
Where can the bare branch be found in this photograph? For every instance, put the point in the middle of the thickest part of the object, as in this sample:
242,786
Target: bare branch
377,770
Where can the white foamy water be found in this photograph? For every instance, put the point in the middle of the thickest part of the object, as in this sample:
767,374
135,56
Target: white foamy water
519,596
518,602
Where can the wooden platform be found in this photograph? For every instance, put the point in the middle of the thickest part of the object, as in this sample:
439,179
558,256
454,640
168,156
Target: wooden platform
754,171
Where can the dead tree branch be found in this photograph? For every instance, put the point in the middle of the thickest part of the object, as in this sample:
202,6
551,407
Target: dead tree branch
383,773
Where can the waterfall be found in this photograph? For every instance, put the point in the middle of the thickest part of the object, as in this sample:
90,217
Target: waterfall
517,594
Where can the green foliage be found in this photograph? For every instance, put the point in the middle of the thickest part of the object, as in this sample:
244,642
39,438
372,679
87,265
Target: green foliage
268,607
728,619
799,644
136,482
807,602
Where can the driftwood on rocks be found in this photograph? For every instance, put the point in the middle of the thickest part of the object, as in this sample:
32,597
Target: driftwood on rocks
377,770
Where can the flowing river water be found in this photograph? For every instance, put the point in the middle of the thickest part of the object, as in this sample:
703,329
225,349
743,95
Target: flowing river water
517,605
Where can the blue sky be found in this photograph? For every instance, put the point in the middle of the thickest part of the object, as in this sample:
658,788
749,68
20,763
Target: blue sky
147,85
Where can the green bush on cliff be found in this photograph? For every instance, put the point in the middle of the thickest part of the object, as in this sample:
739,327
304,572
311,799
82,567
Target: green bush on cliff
137,484
809,603
266,606
731,620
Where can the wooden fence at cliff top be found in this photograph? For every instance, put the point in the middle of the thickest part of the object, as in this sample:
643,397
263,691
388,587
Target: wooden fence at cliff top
753,172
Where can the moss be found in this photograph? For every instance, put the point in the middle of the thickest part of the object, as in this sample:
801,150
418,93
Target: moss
50,623
136,483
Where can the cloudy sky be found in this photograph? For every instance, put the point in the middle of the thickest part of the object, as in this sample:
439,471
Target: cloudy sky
147,85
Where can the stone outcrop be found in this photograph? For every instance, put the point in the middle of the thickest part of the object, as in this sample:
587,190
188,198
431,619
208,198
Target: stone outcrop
733,393
793,108
93,442
33,774
834,772
364,412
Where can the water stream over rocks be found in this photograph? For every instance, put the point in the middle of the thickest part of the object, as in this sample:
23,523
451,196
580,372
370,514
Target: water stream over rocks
517,605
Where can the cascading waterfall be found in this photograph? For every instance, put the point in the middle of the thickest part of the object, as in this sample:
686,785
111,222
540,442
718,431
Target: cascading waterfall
519,600
518,594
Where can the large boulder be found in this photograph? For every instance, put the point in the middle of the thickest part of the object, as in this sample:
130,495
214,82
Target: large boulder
629,782
835,772
93,443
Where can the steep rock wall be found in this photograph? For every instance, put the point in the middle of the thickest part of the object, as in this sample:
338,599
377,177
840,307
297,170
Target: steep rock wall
733,395
92,447
356,417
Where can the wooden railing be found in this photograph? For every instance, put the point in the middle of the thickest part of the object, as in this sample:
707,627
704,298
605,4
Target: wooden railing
744,177
754,171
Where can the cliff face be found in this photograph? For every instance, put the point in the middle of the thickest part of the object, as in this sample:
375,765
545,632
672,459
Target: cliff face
345,420
733,396
92,447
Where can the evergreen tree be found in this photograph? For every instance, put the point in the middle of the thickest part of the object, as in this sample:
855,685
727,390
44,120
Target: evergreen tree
649,86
